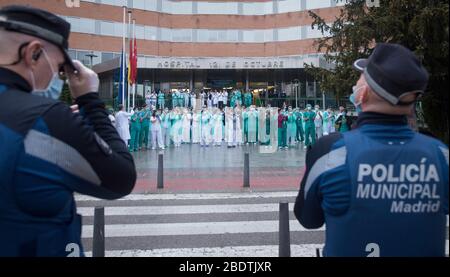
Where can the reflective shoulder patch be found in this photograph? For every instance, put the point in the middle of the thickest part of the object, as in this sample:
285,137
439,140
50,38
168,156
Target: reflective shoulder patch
444,152
103,145
327,162
59,153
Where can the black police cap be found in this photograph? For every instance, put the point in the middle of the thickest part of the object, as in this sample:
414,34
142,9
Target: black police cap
37,23
393,71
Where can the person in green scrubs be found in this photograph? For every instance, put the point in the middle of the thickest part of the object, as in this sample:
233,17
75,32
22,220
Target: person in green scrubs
299,121
282,129
291,128
145,115
310,128
247,99
135,129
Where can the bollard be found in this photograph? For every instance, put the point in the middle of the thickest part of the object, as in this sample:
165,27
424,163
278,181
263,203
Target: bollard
246,170
98,243
318,252
160,181
284,249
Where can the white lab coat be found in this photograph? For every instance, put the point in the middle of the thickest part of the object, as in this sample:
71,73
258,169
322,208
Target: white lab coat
234,132
193,101
196,127
122,125
218,126
186,133
205,128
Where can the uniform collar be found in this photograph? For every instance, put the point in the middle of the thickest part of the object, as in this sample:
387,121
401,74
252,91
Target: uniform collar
13,80
378,118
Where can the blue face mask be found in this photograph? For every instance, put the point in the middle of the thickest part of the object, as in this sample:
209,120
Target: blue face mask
352,99
54,87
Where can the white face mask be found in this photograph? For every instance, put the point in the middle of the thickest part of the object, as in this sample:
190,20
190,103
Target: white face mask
54,87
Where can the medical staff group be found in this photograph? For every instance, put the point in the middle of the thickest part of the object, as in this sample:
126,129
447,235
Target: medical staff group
154,126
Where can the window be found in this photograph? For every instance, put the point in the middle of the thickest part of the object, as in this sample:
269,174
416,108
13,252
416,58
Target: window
258,35
202,35
107,28
257,8
313,33
182,35
118,29
81,56
317,4
106,56
86,25
140,32
286,6
291,33
166,6
212,35
222,35
217,8
253,35
166,34
139,4
182,7
150,33
72,54
268,35
233,35
114,2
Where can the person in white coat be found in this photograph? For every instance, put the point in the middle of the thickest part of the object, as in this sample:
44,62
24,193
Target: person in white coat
193,100
176,129
215,99
217,127
112,118
196,118
318,122
231,124
205,128
239,124
122,124
187,97
156,131
186,125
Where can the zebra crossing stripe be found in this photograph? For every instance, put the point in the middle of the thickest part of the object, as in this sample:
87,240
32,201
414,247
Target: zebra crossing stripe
195,196
196,228
185,209
303,250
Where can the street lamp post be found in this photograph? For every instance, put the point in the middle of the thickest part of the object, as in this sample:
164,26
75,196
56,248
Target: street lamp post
91,56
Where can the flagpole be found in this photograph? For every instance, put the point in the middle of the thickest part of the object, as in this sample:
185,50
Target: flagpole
129,55
123,58
134,53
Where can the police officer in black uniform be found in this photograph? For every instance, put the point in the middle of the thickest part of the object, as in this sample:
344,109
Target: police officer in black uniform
47,151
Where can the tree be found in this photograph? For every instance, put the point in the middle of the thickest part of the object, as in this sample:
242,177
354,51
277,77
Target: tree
421,26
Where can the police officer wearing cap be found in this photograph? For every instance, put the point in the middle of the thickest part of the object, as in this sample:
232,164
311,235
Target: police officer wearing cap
381,189
48,152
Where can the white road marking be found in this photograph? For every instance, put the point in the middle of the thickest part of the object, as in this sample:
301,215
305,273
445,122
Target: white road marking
303,250
196,228
185,209
196,196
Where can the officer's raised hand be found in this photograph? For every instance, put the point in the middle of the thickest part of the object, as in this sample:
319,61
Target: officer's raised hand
82,81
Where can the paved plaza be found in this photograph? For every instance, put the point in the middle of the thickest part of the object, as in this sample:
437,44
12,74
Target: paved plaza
191,168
